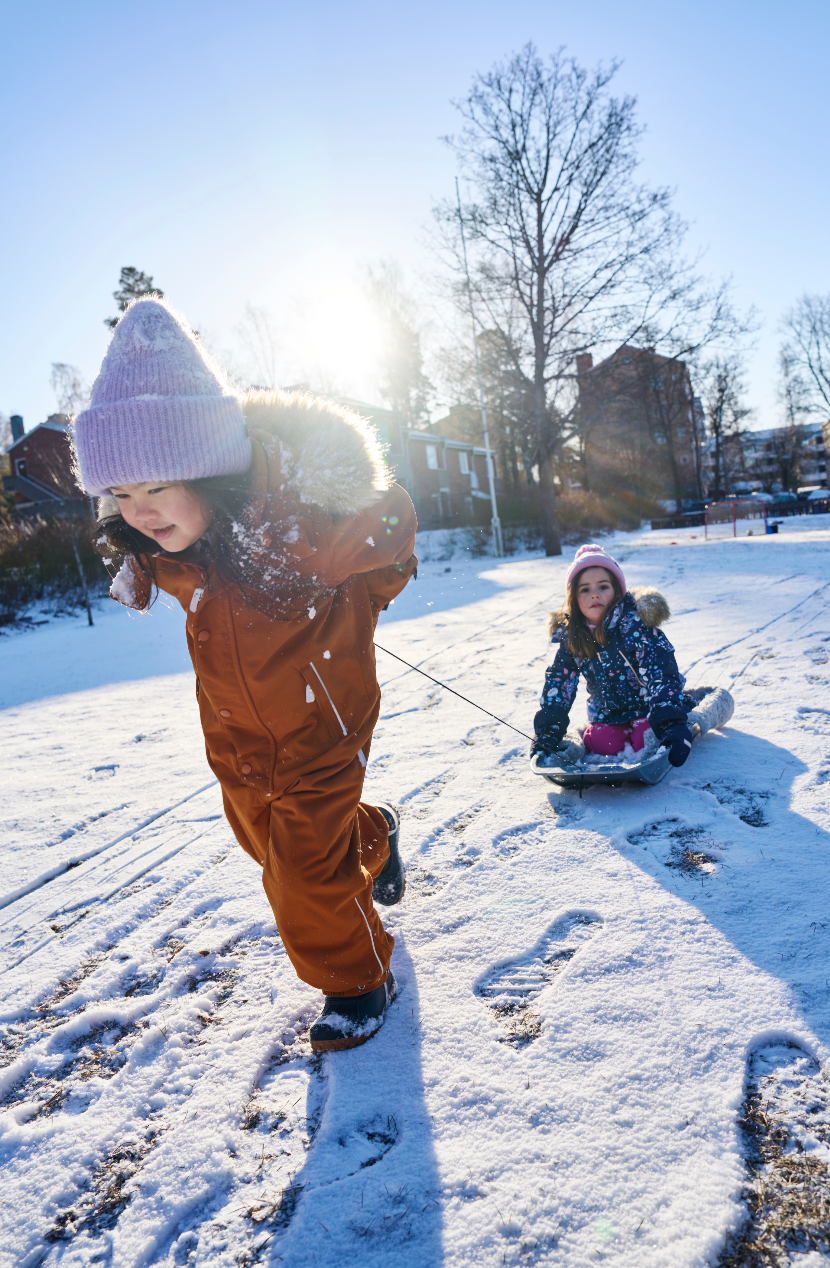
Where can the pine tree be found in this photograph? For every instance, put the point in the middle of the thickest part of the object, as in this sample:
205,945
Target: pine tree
132,284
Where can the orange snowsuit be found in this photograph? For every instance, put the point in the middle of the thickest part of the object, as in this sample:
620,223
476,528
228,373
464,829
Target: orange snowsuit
289,697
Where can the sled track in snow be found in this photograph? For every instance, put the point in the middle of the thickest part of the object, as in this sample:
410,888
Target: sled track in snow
8,900
86,889
703,660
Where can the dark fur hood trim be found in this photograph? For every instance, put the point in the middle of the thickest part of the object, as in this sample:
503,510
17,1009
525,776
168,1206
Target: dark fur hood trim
338,459
652,609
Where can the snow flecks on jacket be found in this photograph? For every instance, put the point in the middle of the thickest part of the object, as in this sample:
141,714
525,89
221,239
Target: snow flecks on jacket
635,675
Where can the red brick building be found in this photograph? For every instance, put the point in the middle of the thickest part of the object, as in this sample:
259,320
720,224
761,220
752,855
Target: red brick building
41,466
638,426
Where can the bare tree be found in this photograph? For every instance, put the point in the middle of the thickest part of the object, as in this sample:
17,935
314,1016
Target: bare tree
783,455
725,412
568,246
508,400
794,392
259,339
403,383
806,351
70,388
131,284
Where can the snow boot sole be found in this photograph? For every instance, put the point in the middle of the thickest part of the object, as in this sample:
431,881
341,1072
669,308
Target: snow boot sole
389,887
349,1021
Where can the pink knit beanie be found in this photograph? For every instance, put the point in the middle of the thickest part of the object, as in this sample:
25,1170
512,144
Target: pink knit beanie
595,557
159,409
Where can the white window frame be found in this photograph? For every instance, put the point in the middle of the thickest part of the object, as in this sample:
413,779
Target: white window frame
432,457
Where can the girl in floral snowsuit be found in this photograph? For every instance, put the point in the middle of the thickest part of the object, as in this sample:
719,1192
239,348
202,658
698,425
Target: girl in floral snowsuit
611,636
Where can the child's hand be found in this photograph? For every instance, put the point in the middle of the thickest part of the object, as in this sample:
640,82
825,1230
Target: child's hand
678,740
550,727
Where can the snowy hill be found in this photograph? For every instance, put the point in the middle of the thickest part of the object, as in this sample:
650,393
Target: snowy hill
586,983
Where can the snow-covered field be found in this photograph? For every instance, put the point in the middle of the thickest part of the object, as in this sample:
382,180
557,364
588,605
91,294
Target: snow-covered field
585,982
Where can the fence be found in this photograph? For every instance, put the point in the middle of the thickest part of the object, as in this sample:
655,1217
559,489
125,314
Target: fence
775,510
724,518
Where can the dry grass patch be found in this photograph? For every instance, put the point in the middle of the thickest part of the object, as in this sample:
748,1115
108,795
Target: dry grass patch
786,1126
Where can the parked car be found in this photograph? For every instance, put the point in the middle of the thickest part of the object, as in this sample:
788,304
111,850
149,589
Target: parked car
763,497
784,497
816,495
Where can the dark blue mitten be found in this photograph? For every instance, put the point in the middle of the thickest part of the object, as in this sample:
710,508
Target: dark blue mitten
550,725
678,740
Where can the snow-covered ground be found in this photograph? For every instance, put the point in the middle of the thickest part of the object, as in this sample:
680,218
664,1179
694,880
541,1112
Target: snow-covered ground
583,980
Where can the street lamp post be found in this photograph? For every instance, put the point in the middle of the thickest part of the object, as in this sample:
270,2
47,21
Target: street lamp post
498,543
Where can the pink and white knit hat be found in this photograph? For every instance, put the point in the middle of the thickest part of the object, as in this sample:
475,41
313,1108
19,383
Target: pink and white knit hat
595,557
159,409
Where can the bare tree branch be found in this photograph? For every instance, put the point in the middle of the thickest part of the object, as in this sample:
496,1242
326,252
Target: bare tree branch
404,384
569,249
257,335
807,351
69,387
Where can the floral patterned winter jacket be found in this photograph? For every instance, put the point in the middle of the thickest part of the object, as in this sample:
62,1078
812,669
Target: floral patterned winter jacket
634,676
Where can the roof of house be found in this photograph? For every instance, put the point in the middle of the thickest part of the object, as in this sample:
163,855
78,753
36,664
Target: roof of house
55,422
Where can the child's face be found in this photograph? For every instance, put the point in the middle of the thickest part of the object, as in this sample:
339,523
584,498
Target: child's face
169,513
594,592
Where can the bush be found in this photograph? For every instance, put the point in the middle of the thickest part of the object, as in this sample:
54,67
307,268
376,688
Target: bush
582,513
38,565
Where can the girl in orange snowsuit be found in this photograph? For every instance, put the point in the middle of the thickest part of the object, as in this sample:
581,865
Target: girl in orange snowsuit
282,566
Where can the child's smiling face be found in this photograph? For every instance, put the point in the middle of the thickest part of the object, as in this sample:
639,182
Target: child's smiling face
594,592
169,513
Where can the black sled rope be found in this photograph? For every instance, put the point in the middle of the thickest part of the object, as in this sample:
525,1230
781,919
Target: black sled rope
438,683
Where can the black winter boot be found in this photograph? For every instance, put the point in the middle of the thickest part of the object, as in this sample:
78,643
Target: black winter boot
349,1020
388,888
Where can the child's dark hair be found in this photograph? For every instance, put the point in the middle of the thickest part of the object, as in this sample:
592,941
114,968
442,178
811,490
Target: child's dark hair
582,642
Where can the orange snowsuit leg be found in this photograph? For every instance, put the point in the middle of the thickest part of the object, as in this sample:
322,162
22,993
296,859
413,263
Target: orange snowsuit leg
324,847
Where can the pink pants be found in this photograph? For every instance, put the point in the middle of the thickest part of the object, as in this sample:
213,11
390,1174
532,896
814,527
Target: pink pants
607,741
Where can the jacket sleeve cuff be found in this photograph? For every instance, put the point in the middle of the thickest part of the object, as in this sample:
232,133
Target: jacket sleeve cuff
665,716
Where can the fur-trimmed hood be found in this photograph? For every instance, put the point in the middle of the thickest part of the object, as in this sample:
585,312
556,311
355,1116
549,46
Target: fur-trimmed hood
333,458
338,460
651,606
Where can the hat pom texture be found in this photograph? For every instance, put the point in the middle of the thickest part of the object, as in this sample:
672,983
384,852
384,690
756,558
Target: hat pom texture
593,556
160,409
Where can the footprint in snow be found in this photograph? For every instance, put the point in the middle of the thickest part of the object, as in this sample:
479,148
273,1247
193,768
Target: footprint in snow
746,803
785,1121
421,883
677,845
512,988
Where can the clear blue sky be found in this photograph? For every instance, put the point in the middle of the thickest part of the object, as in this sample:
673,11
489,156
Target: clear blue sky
260,152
